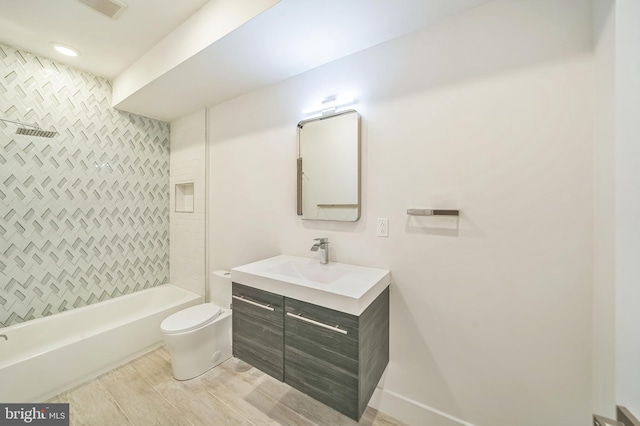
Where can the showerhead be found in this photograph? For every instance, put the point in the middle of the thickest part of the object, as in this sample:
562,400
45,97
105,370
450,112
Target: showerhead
35,131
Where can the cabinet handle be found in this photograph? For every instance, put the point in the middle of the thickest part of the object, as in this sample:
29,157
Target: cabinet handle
319,324
259,305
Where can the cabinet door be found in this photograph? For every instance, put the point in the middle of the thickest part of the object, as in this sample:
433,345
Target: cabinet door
321,354
258,337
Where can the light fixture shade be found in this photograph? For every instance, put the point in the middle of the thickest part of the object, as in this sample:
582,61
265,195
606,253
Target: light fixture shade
331,102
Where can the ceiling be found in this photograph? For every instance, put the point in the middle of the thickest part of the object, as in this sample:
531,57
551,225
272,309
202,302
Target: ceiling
107,46
150,53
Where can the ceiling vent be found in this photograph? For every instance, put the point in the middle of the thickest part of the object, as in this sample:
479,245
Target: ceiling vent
110,8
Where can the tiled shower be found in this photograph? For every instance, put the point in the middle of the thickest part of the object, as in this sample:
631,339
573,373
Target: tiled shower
84,216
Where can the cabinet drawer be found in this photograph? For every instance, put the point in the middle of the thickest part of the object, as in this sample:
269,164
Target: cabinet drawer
321,354
320,381
329,336
258,337
336,320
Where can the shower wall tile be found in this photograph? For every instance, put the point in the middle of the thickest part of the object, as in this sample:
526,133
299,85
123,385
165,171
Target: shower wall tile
84,216
188,156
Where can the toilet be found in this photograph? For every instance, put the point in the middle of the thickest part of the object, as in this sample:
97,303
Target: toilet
198,337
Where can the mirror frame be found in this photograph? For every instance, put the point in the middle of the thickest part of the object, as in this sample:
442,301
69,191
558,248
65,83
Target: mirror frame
299,194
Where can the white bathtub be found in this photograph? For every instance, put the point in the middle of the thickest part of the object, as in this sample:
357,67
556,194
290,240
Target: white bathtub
46,356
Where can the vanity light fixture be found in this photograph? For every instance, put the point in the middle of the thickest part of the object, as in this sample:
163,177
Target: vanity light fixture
65,50
330,104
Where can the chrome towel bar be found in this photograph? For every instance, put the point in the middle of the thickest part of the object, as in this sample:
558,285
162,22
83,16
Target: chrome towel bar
432,212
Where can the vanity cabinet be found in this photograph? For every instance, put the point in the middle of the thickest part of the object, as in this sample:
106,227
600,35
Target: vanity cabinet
332,356
258,329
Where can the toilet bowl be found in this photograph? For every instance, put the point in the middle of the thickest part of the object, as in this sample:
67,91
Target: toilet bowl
198,339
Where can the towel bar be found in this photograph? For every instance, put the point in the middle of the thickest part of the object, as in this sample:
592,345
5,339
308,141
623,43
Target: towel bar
432,212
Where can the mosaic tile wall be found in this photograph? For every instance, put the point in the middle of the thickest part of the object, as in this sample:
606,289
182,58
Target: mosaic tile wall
84,216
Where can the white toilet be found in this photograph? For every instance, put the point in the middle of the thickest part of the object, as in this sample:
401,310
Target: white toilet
199,337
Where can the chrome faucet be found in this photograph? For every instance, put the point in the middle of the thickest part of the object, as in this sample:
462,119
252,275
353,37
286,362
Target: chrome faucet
5,336
322,247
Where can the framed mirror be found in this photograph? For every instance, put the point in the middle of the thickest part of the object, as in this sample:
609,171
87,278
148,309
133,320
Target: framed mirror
329,167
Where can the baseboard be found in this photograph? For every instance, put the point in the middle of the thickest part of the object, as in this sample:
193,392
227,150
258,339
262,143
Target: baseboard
603,421
411,412
625,417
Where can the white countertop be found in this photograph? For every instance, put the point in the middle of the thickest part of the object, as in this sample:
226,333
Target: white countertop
339,286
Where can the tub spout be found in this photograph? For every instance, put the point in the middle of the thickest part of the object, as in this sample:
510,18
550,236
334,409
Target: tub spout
5,336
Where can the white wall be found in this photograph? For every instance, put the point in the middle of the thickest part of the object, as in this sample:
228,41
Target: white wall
616,340
489,112
627,203
604,225
187,230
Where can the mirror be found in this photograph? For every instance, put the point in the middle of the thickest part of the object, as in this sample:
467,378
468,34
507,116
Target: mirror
329,167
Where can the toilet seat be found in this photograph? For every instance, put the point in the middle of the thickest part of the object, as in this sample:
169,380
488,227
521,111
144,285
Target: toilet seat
191,318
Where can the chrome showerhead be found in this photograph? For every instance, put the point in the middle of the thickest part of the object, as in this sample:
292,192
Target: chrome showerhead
35,131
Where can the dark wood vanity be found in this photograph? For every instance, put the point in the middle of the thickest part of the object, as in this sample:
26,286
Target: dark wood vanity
335,357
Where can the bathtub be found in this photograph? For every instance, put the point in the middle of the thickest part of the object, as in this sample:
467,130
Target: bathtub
46,356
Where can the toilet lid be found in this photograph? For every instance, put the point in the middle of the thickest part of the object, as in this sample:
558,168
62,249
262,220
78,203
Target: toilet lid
190,318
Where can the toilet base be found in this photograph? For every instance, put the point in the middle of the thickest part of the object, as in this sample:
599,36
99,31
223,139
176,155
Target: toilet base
198,351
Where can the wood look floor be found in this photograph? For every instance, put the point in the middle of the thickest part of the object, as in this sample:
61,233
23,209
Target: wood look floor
143,392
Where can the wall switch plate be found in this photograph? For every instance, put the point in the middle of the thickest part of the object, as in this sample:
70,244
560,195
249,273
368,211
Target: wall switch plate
382,227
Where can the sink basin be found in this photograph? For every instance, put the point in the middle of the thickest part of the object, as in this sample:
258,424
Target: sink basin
310,271
339,286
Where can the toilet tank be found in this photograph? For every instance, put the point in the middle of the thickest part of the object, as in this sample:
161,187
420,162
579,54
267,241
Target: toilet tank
220,288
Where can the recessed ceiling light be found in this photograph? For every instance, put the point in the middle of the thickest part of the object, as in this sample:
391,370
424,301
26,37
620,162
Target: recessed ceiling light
65,50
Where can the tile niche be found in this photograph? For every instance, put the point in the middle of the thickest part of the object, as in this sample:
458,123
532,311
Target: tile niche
184,197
